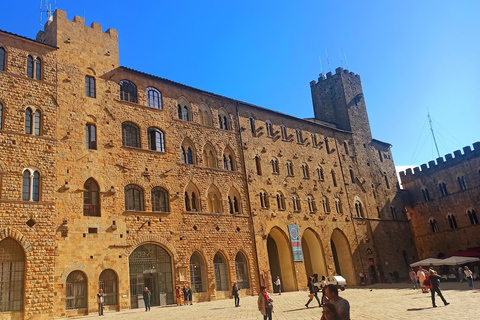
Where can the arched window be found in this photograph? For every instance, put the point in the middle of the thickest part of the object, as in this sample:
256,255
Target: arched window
12,275
30,66
128,91
187,150
131,135
2,59
133,198
234,206
283,130
160,200
296,203
339,206
91,136
228,162
191,198
186,114
269,128
462,183
209,156
299,136
345,146
425,194
280,201
327,144
334,178
264,203
108,282
452,221
179,112
306,171
434,225
275,167
31,185
76,290
37,122
290,168
326,204
472,216
312,207
214,200
352,176
154,98
156,140
386,181
221,275
28,121
314,140
443,188
359,209
258,165
252,126
204,115
320,175
91,199
38,69
198,278
241,268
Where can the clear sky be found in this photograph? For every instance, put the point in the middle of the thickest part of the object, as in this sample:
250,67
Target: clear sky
412,56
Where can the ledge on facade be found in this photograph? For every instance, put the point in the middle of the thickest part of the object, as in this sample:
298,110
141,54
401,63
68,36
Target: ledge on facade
146,213
216,214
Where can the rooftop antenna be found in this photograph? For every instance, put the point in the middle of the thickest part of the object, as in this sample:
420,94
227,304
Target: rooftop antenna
341,60
433,134
47,10
328,61
321,68
346,61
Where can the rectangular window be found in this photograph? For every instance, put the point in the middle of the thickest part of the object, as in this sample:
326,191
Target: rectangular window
91,136
283,129
299,136
90,86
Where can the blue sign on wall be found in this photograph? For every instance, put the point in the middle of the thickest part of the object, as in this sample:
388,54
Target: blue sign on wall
296,242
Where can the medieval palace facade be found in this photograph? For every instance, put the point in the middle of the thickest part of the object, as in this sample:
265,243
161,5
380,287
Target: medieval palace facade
117,179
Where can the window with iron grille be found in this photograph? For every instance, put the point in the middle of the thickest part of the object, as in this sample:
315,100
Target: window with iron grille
220,271
76,290
197,273
91,198
108,282
12,275
90,86
133,198
131,135
128,91
160,200
241,269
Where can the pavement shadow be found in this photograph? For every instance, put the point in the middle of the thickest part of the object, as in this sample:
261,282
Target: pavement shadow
419,309
299,309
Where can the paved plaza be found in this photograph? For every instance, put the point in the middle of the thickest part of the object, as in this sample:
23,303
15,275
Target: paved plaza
381,301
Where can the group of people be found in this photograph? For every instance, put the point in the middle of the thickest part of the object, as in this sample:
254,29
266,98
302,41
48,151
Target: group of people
334,306
429,280
187,294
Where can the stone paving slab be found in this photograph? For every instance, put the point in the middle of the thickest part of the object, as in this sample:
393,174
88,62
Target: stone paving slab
382,301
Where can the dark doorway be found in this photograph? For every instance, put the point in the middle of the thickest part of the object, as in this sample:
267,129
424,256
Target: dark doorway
274,261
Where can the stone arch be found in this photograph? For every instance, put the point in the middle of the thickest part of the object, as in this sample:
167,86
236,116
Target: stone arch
210,156
214,200
221,271
313,253
153,239
198,272
17,236
280,259
342,256
90,71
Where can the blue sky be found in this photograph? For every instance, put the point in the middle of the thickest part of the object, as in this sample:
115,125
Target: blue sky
412,56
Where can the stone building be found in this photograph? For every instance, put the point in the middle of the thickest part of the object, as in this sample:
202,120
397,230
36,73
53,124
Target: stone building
443,203
130,180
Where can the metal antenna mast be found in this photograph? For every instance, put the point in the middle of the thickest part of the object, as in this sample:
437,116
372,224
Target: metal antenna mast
433,134
328,61
346,61
321,68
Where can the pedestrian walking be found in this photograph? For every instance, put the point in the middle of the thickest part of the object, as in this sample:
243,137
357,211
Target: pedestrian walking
413,277
313,292
265,304
329,312
278,283
341,305
100,301
434,280
146,298
469,275
421,278
235,294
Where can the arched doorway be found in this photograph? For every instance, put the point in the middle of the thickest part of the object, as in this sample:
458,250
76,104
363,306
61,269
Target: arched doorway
280,260
151,266
342,256
314,257
12,275
108,282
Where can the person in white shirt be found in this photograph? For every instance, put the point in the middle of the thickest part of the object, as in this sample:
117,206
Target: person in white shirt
469,275
278,283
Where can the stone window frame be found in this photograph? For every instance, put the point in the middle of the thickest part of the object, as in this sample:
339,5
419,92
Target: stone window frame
258,164
90,86
253,130
34,66
472,216
33,121
393,210
224,120
264,199
156,137
154,98
108,281
31,184
283,130
156,199
209,156
221,274
91,191
338,206
188,152
131,139
326,204
462,182
13,281
320,173
134,197
128,91
426,194
269,128
296,202
305,171
205,115
214,200
443,188
313,136
452,221
2,125
433,225
229,162
3,58
192,203
234,204
312,206
74,286
281,205
91,136
359,208
184,109
290,171
299,134
241,271
275,166
198,277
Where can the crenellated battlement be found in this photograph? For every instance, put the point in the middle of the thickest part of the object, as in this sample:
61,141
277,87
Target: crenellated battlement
441,163
330,75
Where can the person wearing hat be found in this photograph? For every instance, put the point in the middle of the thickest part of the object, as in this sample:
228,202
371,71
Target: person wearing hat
435,287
